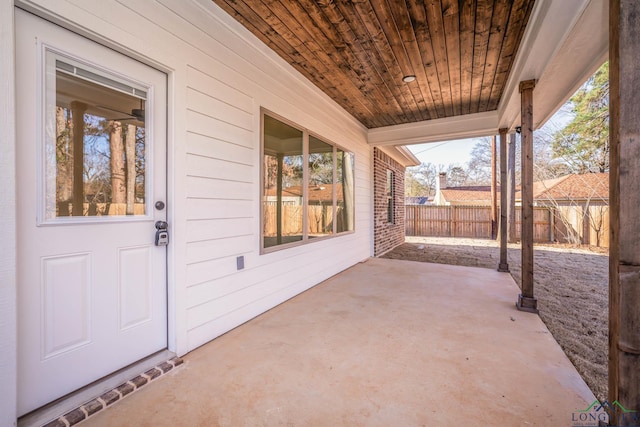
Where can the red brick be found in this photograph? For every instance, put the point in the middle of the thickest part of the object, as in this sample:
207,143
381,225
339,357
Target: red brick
387,236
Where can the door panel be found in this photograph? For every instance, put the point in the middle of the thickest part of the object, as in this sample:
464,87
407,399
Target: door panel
134,286
91,155
65,303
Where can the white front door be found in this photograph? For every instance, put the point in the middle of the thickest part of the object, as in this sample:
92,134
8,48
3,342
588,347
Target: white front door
91,156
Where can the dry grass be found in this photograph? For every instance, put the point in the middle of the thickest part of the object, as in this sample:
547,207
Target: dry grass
571,285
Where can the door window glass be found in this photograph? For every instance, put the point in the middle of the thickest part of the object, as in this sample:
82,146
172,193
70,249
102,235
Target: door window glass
95,145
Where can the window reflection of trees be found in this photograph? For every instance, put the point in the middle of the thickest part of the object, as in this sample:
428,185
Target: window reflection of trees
113,150
304,199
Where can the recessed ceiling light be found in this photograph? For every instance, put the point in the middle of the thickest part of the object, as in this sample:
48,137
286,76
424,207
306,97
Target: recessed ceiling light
408,79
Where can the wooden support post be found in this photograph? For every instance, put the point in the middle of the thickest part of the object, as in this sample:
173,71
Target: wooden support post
511,188
624,200
494,201
77,118
504,265
526,300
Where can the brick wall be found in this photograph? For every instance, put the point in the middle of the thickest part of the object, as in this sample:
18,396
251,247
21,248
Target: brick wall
387,236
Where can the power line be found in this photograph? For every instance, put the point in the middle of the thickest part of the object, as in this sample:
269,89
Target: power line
431,148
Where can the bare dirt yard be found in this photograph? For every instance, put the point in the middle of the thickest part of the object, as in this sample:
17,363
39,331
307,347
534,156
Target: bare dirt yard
571,285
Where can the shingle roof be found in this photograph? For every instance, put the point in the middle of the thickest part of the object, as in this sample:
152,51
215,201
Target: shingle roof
587,186
590,186
476,193
317,193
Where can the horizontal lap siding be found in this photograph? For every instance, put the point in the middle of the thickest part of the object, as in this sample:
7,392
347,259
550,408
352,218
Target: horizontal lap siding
223,191
220,77
218,301
221,188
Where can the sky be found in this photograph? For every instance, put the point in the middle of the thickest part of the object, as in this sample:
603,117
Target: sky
458,152
445,153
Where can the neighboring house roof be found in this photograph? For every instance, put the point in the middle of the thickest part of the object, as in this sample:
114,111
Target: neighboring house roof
286,192
590,186
324,193
317,193
468,194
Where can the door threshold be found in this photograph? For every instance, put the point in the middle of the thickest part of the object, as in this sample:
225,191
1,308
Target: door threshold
75,407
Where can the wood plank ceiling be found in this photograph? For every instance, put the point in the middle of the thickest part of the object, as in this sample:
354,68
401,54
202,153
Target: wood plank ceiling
357,52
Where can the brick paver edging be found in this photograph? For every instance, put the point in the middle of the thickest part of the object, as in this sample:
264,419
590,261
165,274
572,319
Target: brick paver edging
94,406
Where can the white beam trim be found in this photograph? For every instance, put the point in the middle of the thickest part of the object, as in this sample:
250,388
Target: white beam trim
412,160
563,42
571,67
450,128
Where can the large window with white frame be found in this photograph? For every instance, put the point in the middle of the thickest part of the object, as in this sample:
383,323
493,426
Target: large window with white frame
307,186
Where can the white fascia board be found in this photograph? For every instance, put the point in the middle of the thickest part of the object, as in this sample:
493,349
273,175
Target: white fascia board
583,52
401,154
412,160
564,43
447,129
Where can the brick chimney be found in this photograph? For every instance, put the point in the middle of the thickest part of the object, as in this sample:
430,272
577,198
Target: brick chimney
442,181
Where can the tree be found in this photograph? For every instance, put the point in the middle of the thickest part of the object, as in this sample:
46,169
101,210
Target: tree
118,176
321,168
584,143
64,159
130,155
545,165
456,176
421,180
479,167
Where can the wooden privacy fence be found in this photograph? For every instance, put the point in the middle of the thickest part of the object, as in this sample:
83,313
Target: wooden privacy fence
319,218
448,221
565,224
99,209
468,221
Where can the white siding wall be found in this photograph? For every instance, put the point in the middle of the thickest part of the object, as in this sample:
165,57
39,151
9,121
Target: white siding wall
219,77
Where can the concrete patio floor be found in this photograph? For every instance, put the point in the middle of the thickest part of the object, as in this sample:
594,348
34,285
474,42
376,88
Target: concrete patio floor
385,343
